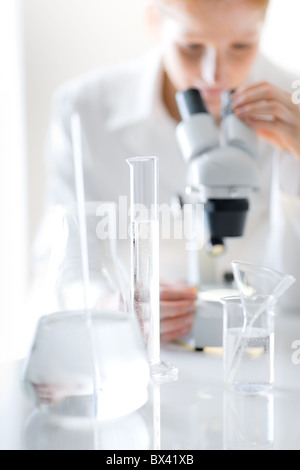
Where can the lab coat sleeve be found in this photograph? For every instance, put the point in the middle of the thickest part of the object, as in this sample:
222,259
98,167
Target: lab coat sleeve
286,225
290,243
60,178
58,151
289,174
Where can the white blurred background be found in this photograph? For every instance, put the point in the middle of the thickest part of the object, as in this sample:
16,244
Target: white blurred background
42,44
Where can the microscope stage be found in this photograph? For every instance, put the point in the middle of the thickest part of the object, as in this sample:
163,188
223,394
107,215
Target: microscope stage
207,331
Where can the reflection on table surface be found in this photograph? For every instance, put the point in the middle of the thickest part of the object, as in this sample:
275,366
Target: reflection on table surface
213,420
196,412
44,432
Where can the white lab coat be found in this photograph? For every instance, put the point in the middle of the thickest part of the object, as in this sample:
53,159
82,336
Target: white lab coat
122,116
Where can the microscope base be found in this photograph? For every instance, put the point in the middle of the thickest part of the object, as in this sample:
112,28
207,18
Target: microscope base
207,331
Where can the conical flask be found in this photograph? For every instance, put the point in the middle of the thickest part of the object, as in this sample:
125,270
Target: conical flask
88,360
145,287
98,281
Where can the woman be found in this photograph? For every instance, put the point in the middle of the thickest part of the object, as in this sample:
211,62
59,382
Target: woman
130,109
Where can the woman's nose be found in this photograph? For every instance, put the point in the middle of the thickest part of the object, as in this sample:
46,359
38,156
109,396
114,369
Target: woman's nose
210,66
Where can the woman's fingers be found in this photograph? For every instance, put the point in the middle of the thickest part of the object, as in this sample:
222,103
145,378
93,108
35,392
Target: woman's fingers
263,91
177,306
266,111
272,113
174,328
189,294
171,309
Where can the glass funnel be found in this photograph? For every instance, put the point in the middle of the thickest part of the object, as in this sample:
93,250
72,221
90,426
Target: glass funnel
145,288
259,287
88,360
94,282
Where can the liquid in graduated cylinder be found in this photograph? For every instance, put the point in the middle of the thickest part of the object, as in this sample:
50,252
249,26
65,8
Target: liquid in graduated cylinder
146,293
68,371
254,372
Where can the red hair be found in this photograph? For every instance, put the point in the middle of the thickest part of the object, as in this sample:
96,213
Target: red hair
262,3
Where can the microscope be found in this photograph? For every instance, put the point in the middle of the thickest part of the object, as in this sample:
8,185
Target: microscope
222,174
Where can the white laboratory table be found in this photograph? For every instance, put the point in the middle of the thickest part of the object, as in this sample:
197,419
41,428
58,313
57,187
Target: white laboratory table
194,413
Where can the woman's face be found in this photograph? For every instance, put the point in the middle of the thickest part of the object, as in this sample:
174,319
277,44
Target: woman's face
209,45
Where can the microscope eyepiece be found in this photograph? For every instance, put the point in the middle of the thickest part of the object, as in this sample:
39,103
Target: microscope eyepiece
226,103
190,102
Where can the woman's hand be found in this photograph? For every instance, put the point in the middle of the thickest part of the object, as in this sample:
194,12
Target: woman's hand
177,308
271,112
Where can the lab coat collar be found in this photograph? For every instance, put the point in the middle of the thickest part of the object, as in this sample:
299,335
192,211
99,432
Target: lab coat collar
138,95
